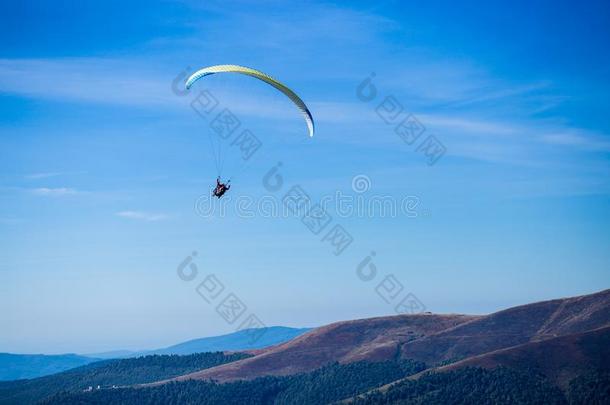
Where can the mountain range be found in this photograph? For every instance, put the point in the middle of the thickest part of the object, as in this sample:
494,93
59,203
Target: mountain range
555,351
432,339
19,366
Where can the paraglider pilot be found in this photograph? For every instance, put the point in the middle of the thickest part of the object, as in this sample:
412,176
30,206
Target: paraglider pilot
221,188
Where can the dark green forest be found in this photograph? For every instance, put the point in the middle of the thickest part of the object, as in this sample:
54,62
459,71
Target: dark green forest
591,388
471,386
336,382
107,373
327,384
498,386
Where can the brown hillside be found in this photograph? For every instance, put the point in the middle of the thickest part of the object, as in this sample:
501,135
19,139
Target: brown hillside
365,339
512,327
561,359
428,338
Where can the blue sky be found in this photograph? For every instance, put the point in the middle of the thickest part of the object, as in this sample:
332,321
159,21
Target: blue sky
101,163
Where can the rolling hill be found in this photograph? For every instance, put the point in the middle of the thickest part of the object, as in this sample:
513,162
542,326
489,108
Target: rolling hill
236,341
109,373
20,366
559,359
375,339
511,327
432,339
555,351
17,366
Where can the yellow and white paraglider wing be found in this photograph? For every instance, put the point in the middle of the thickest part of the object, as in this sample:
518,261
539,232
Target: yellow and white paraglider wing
261,76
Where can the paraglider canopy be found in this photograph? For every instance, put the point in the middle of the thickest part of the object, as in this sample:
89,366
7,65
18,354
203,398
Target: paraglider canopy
261,76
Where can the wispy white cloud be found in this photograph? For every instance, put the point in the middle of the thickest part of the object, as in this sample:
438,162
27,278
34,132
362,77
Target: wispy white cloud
129,82
54,192
46,175
477,114
524,131
291,27
100,80
142,216
467,128
36,176
578,138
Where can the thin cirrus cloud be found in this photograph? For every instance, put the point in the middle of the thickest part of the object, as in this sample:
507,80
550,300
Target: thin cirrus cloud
128,83
54,192
46,175
142,216
116,81
119,82
477,114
